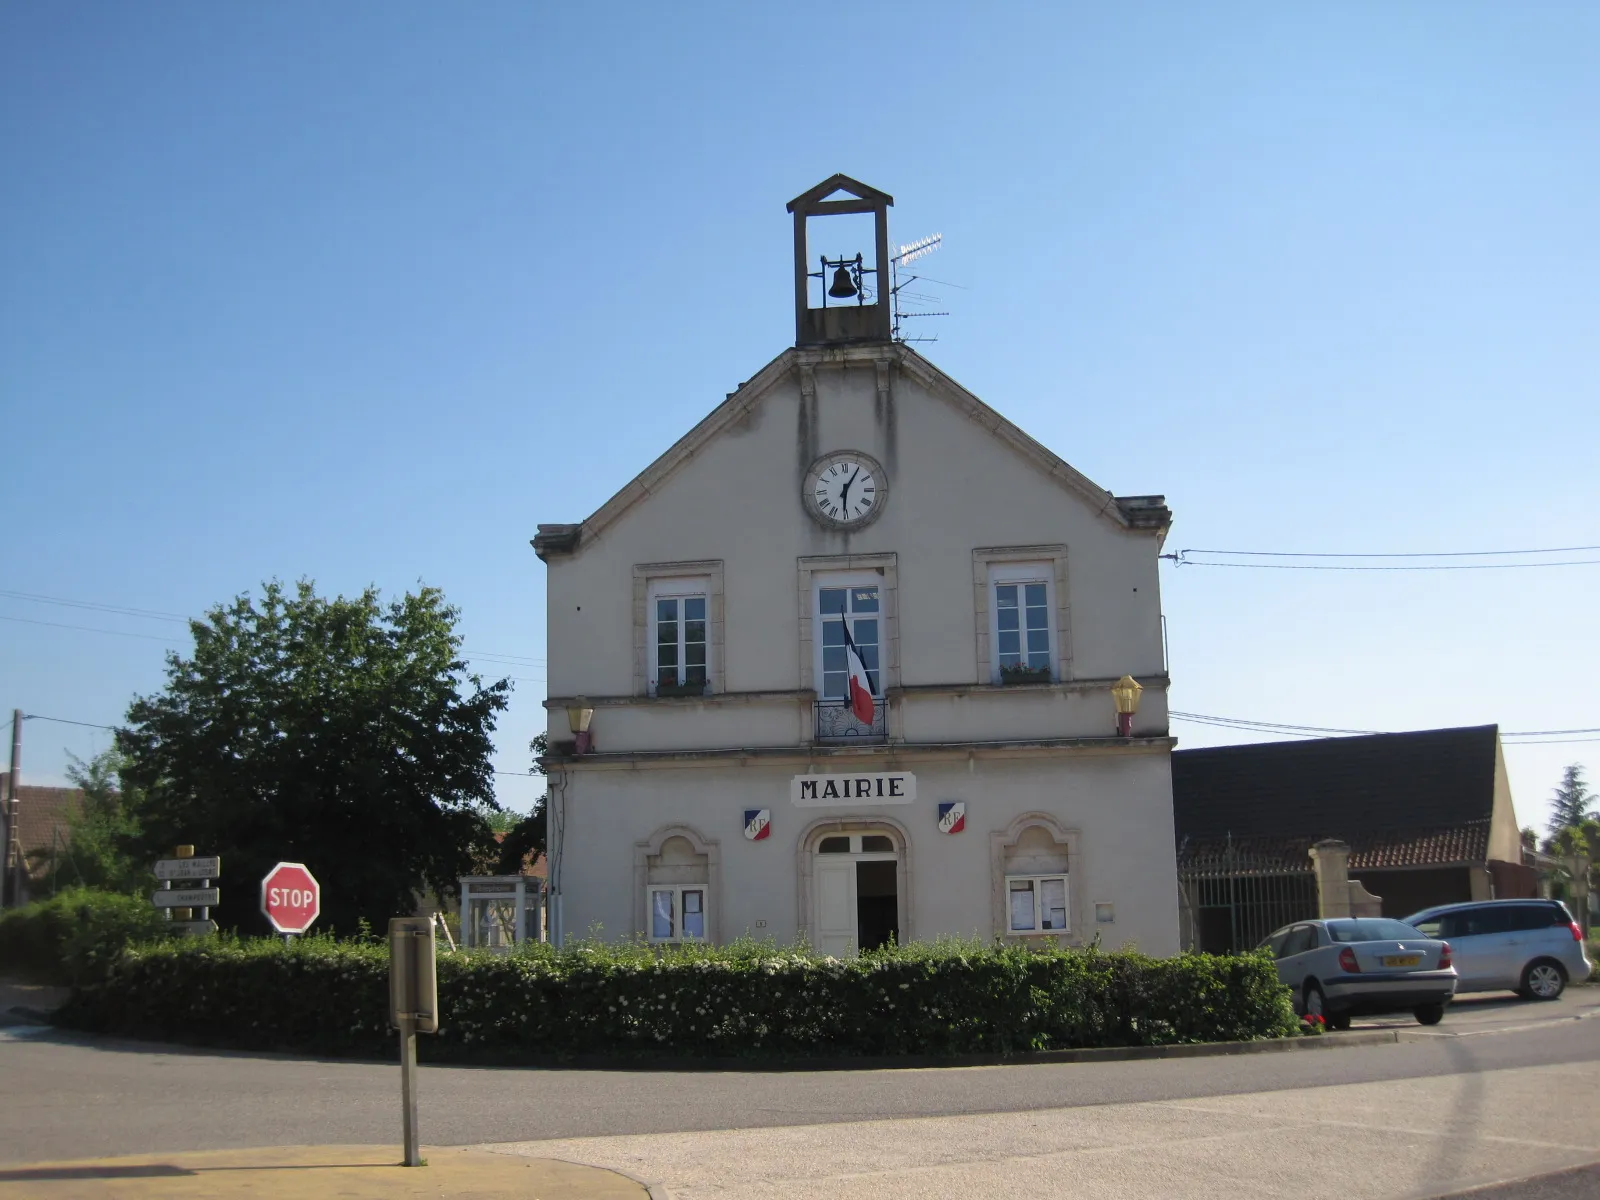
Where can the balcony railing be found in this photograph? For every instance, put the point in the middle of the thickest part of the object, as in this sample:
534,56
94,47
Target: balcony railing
837,724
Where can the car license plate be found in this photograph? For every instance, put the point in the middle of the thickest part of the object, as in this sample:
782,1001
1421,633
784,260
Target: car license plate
1401,960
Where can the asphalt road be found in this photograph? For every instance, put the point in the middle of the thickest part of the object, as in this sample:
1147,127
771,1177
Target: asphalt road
63,1096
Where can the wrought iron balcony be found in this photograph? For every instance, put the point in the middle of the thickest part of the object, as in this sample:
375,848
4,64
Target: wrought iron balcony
837,724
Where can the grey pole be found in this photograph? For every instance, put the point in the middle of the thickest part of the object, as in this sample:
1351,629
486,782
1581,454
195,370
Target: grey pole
13,830
408,1089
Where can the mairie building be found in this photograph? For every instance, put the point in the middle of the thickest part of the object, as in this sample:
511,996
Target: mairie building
839,666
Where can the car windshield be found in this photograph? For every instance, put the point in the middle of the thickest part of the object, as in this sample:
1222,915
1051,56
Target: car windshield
1370,929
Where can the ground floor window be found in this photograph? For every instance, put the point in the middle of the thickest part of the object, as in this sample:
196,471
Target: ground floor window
1036,903
677,914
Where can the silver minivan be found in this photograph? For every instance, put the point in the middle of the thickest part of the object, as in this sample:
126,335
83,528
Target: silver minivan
1533,947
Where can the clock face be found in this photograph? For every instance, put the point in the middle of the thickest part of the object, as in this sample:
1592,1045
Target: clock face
845,489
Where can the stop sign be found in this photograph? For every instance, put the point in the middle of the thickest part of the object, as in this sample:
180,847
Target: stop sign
290,898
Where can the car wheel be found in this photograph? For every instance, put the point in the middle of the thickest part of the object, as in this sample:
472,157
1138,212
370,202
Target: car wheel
1543,980
1316,1004
1430,1014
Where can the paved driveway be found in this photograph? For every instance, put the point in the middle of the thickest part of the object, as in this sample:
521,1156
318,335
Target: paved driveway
1495,1012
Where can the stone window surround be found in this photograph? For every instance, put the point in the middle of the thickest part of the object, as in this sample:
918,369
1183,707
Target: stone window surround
646,573
885,565
1001,841
642,853
806,860
983,559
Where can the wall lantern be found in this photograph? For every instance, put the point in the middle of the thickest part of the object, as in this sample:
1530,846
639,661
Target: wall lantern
1125,694
578,721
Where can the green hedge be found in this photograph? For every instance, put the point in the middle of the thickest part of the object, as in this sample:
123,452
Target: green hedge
744,1001
74,937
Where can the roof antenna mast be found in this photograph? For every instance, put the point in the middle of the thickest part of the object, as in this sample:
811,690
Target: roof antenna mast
908,254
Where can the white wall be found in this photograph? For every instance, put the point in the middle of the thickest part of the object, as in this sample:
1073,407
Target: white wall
953,488
1119,804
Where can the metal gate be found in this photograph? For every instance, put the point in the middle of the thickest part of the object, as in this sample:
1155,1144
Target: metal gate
1231,894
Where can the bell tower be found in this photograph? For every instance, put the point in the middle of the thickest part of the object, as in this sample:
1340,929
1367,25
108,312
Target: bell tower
854,289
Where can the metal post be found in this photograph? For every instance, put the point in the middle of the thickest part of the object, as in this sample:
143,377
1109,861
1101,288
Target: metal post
408,1089
13,830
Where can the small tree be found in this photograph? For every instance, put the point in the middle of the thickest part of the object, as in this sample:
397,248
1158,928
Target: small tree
95,854
345,734
1573,802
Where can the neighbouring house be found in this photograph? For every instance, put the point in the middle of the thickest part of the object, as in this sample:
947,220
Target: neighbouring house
1427,816
43,830
838,665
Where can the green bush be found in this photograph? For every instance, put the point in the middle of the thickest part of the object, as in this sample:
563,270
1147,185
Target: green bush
748,1000
74,937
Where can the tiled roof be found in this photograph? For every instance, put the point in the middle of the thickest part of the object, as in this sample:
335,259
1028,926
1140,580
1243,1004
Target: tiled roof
45,812
1371,850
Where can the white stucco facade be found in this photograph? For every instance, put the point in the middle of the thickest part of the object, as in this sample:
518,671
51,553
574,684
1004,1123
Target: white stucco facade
1056,805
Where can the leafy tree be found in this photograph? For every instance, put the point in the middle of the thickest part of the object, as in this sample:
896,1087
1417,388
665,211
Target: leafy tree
100,832
1573,801
1530,838
345,734
529,835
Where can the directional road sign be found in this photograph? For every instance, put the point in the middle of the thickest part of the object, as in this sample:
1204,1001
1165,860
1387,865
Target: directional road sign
189,868
193,928
187,898
290,898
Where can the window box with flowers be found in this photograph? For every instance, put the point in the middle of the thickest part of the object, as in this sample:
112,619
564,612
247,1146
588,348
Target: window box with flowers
1023,674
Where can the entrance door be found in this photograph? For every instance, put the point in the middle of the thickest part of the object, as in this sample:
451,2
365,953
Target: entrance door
836,905
857,893
877,902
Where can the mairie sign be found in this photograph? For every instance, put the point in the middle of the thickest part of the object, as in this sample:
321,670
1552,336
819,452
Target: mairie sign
826,791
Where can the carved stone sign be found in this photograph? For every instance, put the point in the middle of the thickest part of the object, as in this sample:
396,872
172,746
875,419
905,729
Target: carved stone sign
831,791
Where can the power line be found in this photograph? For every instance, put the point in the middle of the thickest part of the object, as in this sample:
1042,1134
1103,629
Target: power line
1524,566
149,637
159,615
64,721
1211,719
1182,559
1399,554
151,613
1253,726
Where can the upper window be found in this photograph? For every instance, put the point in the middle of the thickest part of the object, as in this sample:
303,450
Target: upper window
844,604
1020,622
679,659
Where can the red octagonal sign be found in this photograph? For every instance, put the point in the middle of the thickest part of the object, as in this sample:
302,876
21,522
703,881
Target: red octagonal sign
290,898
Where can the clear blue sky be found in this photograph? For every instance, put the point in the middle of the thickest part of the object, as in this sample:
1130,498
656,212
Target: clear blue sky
363,292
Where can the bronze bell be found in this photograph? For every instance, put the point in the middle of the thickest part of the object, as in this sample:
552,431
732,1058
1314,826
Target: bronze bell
843,286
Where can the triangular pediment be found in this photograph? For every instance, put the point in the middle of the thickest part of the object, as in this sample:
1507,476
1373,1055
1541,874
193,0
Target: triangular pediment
830,187
1141,513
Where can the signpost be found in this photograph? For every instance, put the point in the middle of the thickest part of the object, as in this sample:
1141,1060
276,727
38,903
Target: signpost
180,903
189,868
413,1009
290,898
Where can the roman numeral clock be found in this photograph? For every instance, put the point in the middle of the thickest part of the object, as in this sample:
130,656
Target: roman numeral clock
845,490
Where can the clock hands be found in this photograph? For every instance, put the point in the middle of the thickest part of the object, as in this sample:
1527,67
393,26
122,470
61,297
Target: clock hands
844,492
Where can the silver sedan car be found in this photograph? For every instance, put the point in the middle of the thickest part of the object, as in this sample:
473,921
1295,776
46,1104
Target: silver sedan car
1345,967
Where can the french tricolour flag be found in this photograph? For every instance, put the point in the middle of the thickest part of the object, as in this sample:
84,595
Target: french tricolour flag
859,688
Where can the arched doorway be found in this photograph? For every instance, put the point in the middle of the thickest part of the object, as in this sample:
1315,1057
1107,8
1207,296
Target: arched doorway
858,881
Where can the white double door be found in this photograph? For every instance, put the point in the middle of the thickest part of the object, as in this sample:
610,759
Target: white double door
837,921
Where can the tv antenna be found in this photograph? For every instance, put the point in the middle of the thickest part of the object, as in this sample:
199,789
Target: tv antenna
909,253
